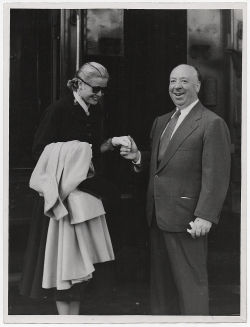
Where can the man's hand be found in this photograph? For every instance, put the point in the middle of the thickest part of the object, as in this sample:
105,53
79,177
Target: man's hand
199,227
130,153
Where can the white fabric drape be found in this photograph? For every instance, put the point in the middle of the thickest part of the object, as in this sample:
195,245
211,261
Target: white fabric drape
78,236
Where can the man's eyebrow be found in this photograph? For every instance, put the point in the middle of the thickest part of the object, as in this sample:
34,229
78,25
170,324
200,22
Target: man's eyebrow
179,78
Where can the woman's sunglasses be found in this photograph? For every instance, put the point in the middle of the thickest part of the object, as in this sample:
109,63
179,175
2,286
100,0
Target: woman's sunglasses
95,89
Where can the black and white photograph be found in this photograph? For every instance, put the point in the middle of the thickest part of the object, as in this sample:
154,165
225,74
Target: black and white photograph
124,162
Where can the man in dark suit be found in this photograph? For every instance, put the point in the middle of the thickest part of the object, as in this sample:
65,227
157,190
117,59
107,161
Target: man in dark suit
188,182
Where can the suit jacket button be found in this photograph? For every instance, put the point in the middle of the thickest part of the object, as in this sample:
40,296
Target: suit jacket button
156,176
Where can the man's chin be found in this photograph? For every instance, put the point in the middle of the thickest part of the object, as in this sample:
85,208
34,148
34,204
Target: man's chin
178,103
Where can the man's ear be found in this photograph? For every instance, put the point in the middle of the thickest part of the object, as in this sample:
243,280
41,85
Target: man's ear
198,86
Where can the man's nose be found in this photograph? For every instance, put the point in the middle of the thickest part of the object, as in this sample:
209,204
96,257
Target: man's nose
177,84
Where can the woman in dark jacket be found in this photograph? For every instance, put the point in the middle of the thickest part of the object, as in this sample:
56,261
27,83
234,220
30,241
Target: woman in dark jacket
77,116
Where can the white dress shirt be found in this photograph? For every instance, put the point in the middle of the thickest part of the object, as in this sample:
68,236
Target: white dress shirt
81,102
184,113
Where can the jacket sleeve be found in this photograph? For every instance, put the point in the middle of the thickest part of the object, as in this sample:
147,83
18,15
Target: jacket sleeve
215,171
47,131
145,155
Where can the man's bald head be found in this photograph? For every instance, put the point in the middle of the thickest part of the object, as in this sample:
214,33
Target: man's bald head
193,70
184,85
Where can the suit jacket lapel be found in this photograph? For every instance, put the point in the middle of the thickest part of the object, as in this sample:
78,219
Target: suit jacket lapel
189,124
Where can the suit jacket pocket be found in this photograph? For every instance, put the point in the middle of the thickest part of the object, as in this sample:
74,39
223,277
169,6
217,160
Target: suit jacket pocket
185,207
188,149
175,213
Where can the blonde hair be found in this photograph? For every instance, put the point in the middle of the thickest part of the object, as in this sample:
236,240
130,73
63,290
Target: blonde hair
86,72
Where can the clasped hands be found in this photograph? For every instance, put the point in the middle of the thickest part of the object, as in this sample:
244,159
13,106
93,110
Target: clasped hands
129,150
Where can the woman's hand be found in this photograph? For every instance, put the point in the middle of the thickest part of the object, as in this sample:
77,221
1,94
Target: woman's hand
121,141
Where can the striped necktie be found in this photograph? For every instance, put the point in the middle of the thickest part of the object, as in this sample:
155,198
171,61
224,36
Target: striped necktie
166,137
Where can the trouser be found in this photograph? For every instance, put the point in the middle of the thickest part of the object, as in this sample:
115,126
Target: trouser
179,282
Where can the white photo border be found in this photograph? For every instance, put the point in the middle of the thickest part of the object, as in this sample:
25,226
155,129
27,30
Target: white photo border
145,320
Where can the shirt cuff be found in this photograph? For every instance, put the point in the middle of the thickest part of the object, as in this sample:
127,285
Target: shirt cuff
138,162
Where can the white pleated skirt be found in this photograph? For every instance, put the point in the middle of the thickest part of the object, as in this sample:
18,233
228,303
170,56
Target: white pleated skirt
74,245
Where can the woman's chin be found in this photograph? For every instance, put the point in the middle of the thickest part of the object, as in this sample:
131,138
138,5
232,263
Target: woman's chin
93,102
